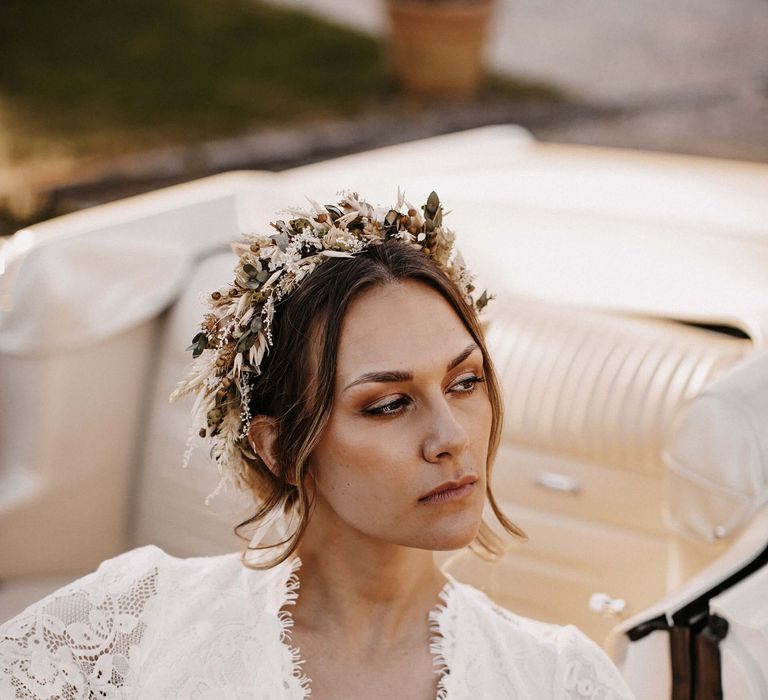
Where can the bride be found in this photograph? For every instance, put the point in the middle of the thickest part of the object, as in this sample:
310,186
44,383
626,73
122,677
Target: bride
343,378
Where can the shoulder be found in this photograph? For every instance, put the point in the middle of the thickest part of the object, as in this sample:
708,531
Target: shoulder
93,632
557,661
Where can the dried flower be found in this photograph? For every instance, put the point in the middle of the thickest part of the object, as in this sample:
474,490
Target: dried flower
236,333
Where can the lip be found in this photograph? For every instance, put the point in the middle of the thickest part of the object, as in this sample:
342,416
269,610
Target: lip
450,490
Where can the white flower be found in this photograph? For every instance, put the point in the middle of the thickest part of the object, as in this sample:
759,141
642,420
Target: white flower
294,256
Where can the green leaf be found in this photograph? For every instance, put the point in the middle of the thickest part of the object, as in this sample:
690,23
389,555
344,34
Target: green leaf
281,241
199,343
432,205
245,342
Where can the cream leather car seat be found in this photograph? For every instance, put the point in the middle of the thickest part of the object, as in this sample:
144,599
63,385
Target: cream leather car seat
629,286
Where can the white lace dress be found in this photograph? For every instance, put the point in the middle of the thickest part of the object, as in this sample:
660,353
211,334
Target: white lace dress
147,625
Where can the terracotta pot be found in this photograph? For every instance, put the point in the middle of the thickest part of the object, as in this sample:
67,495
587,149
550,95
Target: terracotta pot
436,48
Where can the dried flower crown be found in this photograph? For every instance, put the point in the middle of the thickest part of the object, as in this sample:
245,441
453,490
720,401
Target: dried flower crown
236,333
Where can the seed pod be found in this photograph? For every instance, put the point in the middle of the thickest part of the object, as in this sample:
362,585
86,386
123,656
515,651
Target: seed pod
214,416
216,295
412,212
202,432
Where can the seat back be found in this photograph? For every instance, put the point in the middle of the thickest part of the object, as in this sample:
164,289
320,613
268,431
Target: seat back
81,304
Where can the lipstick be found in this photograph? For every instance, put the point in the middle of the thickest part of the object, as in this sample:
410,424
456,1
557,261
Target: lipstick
450,491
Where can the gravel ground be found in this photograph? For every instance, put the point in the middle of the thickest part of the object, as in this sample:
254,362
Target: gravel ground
687,76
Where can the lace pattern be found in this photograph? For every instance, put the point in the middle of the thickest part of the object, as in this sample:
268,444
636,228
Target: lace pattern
79,638
148,625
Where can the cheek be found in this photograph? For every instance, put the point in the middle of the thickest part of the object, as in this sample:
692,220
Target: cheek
477,417
357,466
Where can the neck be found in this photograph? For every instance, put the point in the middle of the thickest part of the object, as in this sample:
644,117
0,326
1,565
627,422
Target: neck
371,593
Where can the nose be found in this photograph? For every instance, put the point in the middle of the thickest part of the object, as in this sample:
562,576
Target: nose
446,436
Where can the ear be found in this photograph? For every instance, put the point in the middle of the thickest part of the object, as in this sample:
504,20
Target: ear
262,434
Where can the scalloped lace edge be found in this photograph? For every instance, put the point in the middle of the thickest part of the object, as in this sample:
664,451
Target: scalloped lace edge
290,592
437,639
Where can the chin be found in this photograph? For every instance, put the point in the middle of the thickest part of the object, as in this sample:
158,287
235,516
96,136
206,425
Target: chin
450,536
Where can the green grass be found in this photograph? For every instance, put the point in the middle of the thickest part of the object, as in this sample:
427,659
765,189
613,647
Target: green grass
117,75
179,69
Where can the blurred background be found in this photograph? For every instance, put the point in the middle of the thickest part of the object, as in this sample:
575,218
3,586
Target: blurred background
102,100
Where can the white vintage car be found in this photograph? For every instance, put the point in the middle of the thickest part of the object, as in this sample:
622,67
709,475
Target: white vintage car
629,331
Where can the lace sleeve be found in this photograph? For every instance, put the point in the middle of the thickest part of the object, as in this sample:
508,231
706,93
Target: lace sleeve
78,641
585,670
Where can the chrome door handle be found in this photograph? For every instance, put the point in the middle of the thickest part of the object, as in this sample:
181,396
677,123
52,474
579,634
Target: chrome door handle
558,482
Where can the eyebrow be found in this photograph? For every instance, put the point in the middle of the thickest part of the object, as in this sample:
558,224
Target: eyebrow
395,376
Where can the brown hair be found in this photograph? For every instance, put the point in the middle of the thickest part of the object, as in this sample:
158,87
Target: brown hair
306,333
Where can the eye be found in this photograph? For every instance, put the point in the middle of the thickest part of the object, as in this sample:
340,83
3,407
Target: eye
390,409
469,384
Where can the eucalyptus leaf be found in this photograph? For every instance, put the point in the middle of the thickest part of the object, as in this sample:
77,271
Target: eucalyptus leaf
245,342
433,204
300,224
281,240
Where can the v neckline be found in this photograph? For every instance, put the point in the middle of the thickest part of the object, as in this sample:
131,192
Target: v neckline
289,593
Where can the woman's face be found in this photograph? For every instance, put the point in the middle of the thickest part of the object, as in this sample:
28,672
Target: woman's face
411,416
